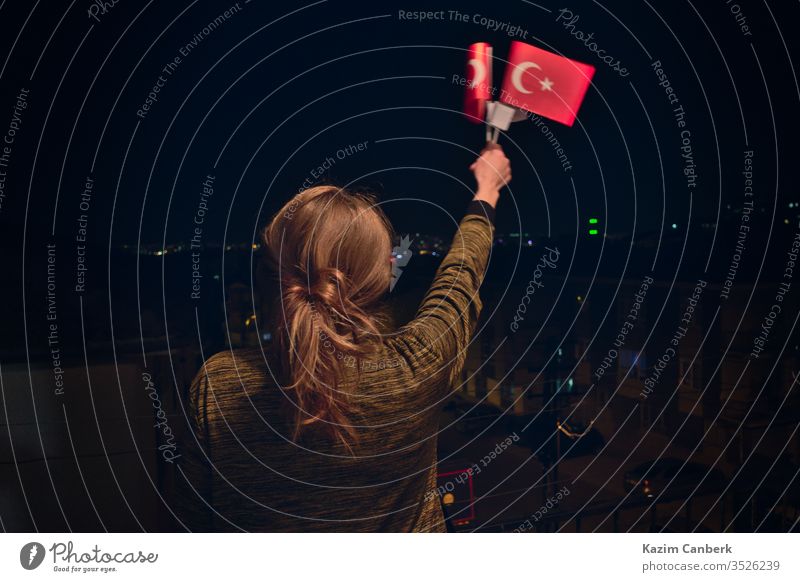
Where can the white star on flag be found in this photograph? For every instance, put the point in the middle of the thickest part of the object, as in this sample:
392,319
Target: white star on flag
547,84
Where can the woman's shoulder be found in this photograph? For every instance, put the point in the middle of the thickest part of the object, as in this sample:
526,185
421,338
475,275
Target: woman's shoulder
232,367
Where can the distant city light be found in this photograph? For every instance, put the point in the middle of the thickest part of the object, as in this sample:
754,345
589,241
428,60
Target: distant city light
579,298
592,231
592,221
674,225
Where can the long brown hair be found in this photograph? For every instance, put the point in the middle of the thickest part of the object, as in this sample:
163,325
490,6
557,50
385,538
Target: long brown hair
329,250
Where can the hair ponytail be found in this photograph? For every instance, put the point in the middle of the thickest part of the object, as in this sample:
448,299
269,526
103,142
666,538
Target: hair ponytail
330,252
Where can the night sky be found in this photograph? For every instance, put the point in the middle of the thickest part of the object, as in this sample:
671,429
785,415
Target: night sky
262,99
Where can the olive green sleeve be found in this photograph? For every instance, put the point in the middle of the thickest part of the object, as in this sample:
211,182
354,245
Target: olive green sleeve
435,342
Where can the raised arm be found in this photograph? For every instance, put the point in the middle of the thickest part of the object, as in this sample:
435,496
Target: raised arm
435,342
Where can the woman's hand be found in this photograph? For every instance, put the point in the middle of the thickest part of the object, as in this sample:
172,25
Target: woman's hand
492,171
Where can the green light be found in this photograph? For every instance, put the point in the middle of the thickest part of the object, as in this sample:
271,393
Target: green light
592,221
592,231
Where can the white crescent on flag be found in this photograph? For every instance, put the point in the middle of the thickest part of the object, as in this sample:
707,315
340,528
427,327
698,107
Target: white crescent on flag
479,69
519,70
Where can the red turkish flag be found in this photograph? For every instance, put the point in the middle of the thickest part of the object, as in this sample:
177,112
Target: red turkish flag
478,81
545,83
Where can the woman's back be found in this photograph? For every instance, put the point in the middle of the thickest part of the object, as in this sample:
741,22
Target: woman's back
261,480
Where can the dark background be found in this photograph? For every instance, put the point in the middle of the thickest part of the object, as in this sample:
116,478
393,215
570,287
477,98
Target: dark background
276,89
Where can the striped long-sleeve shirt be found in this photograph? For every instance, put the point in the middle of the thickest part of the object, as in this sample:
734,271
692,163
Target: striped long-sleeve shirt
241,471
